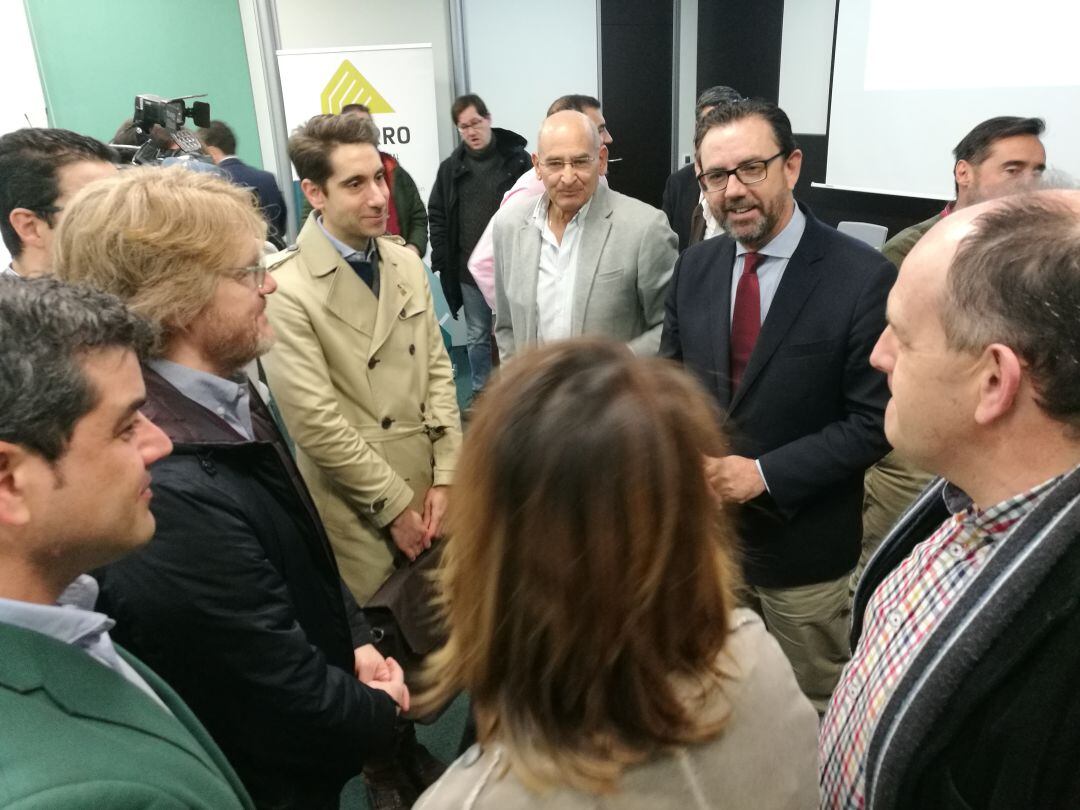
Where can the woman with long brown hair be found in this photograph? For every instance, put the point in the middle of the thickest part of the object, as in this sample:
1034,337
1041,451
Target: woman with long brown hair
588,588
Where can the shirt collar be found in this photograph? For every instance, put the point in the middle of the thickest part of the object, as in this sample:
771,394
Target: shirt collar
539,215
214,393
784,244
347,252
71,620
9,271
1002,515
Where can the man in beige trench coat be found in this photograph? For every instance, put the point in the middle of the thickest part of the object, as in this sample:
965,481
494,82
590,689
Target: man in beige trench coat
359,369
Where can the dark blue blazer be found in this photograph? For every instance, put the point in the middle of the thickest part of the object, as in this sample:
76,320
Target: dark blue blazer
810,407
265,186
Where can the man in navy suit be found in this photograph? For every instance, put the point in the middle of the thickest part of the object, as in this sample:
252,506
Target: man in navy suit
777,318
219,141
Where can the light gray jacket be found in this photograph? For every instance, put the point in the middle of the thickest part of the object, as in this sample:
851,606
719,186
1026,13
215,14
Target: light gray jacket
766,756
624,265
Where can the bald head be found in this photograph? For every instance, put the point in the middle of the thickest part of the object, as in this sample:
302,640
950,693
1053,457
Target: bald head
569,123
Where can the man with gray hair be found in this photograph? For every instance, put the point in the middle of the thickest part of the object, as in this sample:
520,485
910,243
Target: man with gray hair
85,723
580,259
684,202
962,688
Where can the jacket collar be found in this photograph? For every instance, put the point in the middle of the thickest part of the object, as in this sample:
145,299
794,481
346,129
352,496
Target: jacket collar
81,687
184,420
347,297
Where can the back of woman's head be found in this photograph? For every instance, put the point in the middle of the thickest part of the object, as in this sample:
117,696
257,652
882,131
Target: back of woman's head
588,576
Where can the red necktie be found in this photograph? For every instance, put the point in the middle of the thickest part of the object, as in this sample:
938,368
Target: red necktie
746,318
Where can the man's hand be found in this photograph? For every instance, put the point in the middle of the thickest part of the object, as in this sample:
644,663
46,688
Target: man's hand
734,478
369,664
409,532
393,684
415,250
435,503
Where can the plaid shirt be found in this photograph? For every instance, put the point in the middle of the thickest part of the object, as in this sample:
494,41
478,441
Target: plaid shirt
900,615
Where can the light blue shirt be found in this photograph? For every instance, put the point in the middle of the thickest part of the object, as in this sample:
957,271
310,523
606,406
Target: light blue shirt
774,261
229,399
9,271
347,251
73,621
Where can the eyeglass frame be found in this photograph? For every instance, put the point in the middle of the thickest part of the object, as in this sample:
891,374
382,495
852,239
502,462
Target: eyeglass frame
589,160
256,272
728,172
472,124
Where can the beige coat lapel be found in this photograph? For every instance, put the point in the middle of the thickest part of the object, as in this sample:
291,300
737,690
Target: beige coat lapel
347,297
597,226
397,301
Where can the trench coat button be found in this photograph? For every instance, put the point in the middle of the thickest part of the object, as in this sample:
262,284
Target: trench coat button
422,406
412,348
374,361
386,422
379,505
402,312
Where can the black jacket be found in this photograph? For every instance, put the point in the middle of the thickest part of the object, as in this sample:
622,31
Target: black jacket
681,196
443,208
987,717
238,604
265,186
810,407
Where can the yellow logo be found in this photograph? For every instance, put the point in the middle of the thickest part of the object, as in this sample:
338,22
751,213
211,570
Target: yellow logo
348,86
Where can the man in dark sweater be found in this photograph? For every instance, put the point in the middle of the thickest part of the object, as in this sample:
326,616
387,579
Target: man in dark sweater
468,189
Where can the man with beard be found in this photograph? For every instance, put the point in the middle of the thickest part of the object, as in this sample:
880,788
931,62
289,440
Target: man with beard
236,600
777,318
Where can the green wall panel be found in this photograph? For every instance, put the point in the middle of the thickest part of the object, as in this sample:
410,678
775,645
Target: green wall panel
95,56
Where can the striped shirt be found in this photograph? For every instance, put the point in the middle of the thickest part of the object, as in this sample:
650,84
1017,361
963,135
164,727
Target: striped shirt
903,611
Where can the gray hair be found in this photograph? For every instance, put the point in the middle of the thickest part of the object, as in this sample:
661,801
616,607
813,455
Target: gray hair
46,328
1015,280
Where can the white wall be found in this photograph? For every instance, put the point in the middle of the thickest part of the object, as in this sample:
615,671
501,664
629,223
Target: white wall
687,66
806,64
518,64
345,23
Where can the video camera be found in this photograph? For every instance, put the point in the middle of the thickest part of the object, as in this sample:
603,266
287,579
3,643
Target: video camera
157,129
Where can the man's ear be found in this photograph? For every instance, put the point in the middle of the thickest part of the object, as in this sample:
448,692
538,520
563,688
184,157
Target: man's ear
962,172
314,193
28,226
1000,376
16,477
536,164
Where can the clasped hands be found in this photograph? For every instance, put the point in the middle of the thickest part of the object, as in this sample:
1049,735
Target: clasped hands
413,532
384,674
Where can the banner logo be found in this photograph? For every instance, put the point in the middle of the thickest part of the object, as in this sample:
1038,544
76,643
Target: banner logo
348,86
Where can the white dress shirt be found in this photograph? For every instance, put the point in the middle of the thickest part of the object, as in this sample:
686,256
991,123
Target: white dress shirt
558,271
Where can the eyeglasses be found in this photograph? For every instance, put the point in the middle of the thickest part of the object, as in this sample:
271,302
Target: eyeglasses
476,123
578,164
748,174
256,273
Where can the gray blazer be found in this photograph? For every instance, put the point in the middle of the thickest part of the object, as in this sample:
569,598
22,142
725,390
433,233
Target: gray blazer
766,756
624,264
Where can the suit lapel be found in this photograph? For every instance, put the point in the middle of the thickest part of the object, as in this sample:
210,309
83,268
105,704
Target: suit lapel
801,276
85,688
718,290
595,229
347,297
525,271
396,301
